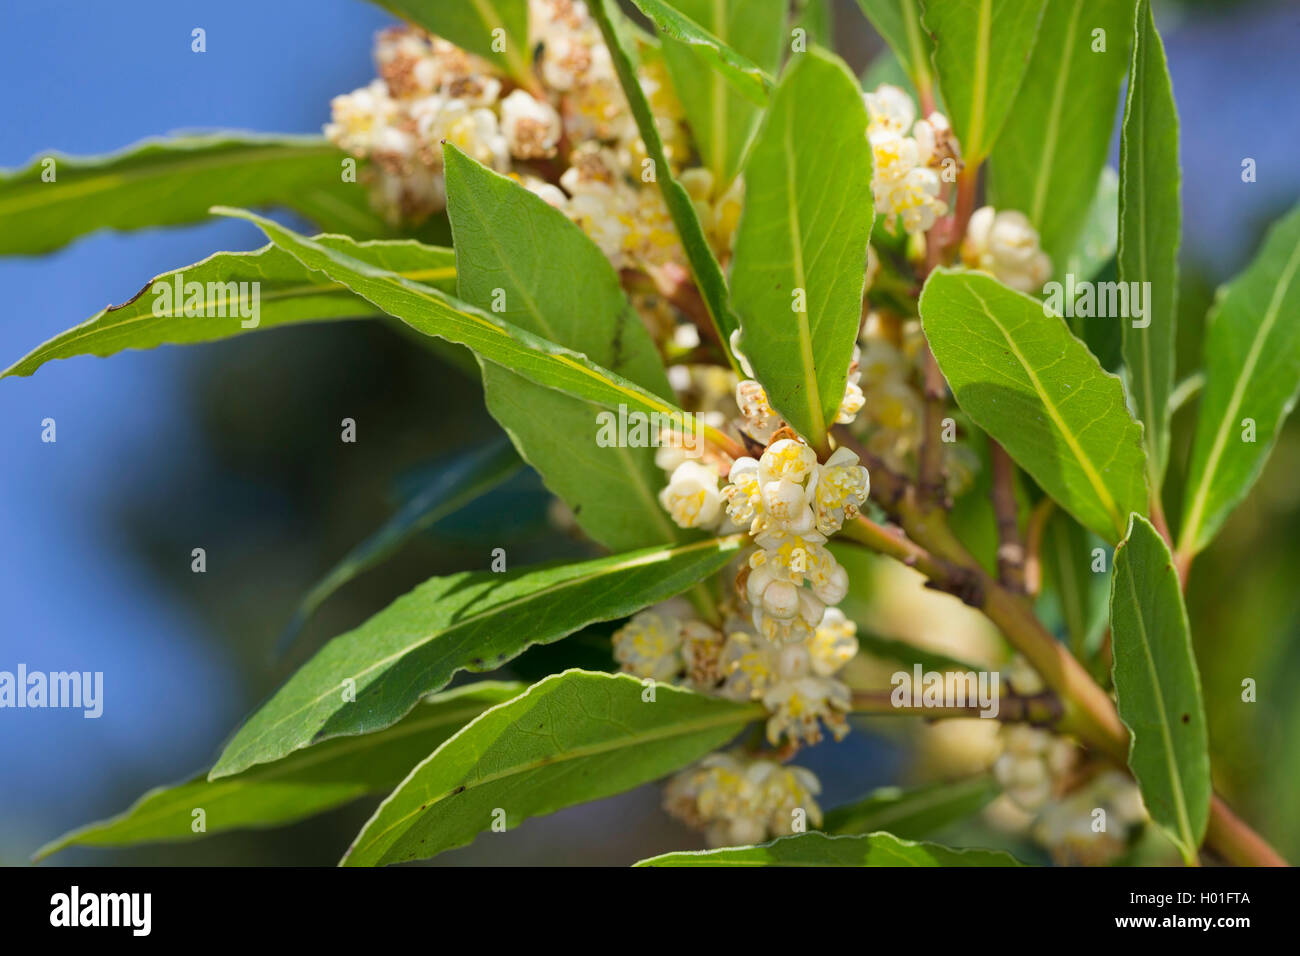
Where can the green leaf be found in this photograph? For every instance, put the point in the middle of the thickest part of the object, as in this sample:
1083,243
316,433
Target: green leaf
285,293
741,73
303,784
722,117
1067,555
475,621
1057,134
538,271
1098,237
1150,215
899,22
981,52
496,30
1036,389
817,19
455,484
1157,687
1252,362
573,737
818,849
429,311
911,814
705,269
804,229
170,181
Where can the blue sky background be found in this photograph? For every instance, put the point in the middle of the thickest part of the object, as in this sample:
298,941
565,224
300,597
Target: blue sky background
90,77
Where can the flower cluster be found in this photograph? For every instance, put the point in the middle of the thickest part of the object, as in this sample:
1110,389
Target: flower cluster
908,156
568,136
738,800
1004,244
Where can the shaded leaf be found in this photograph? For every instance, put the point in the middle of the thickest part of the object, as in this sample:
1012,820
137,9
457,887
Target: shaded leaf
475,621
1252,364
1099,236
1080,592
1150,217
1023,378
572,738
496,30
303,784
453,485
286,293
165,182
538,271
1057,134
800,259
911,814
899,22
981,52
818,849
1157,687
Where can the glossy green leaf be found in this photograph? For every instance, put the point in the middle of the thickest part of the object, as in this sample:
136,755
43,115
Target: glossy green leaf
533,267
899,22
170,181
981,52
1036,389
573,737
818,849
1150,217
429,311
800,259
496,30
1158,688
475,621
744,75
722,117
912,814
1057,134
285,293
705,269
1252,362
305,783
455,484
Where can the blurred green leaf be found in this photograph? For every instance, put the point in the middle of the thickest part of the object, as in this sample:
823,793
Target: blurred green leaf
475,621
742,74
1252,363
1099,236
818,849
286,293
912,814
496,30
1150,229
166,182
981,52
537,270
572,738
1057,134
1036,389
456,482
800,259
1067,560
301,785
899,22
722,118
1157,687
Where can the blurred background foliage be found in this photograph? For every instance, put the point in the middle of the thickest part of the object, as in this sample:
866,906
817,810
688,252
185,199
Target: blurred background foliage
234,447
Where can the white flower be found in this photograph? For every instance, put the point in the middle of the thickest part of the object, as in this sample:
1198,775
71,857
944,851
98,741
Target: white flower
357,117
799,706
737,800
531,127
833,644
648,646
889,108
1005,245
842,488
692,497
